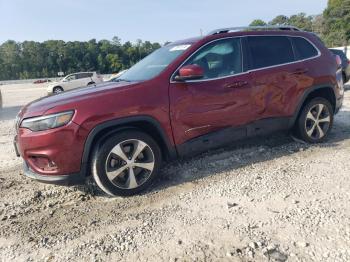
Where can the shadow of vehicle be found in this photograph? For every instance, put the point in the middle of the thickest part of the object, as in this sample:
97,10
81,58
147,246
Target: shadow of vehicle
8,113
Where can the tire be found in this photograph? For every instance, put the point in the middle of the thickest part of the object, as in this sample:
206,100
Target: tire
57,90
114,169
90,83
315,120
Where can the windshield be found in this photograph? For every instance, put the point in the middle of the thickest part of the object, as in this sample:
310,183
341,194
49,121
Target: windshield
153,64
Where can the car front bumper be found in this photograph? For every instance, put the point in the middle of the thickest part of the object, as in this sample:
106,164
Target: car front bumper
52,156
67,180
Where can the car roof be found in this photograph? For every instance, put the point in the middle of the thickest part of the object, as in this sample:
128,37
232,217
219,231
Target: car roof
217,34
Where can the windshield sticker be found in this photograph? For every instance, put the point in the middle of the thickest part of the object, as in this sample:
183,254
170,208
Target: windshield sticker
179,48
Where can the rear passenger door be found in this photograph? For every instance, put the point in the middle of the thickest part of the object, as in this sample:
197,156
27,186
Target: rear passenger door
278,78
84,79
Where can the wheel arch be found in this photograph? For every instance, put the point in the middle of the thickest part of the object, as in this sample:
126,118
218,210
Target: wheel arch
325,91
144,124
58,86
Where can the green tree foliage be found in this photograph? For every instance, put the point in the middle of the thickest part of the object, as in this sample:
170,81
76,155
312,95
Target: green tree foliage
31,59
333,26
258,22
337,22
300,20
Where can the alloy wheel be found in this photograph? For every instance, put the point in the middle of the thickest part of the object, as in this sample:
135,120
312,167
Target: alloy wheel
130,164
317,121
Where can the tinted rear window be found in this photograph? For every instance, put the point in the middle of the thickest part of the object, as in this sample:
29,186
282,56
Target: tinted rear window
304,49
84,75
270,51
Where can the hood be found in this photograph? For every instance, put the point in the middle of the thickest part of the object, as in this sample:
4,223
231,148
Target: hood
40,106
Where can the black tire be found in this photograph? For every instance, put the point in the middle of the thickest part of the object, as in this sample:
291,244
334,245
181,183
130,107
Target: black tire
57,90
91,83
101,158
305,124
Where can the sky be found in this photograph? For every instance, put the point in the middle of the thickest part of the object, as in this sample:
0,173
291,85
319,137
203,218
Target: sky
153,20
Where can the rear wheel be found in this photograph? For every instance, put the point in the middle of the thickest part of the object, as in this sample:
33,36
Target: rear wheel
91,83
126,163
58,90
315,120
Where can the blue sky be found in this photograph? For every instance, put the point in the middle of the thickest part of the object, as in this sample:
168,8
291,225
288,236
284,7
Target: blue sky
154,20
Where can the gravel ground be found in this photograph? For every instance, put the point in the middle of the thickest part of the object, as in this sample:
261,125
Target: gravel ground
270,199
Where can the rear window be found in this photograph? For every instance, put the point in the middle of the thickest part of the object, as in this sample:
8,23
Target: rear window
270,51
84,75
304,49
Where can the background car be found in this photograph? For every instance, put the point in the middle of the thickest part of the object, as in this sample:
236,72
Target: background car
345,64
73,81
41,81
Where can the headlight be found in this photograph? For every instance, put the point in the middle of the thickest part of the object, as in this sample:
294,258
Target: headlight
47,122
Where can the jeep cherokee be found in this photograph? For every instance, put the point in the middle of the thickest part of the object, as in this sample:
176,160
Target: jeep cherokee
185,98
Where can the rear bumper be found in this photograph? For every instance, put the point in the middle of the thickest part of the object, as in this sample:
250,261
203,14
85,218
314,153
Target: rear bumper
66,180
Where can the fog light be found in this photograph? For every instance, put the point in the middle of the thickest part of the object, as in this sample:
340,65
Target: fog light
43,163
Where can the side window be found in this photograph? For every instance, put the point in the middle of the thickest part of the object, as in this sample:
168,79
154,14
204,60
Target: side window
82,75
268,51
220,58
71,77
303,48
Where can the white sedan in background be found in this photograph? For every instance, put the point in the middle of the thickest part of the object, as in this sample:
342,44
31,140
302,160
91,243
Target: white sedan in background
73,81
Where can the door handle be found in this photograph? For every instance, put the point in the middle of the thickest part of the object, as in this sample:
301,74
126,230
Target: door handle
236,84
300,71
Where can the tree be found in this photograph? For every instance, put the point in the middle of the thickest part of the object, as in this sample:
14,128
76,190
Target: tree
257,22
34,60
337,22
280,20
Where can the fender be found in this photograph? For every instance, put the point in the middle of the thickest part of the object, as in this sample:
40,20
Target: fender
122,124
305,96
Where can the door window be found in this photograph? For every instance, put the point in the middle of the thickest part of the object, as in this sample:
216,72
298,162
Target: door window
269,51
219,59
71,77
83,75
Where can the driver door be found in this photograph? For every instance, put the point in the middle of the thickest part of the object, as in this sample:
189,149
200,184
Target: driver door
213,110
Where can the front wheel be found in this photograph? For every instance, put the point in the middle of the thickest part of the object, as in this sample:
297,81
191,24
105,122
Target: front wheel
126,163
315,121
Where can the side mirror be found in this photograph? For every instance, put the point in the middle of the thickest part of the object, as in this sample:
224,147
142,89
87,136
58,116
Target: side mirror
190,72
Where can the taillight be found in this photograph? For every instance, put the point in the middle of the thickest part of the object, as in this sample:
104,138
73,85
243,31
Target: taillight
348,61
338,59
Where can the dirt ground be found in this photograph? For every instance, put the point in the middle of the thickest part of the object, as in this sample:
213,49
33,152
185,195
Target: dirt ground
270,199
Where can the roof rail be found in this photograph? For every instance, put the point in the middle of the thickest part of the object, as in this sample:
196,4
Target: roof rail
254,28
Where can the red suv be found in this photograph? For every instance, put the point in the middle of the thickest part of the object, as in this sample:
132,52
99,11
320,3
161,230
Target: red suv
185,98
